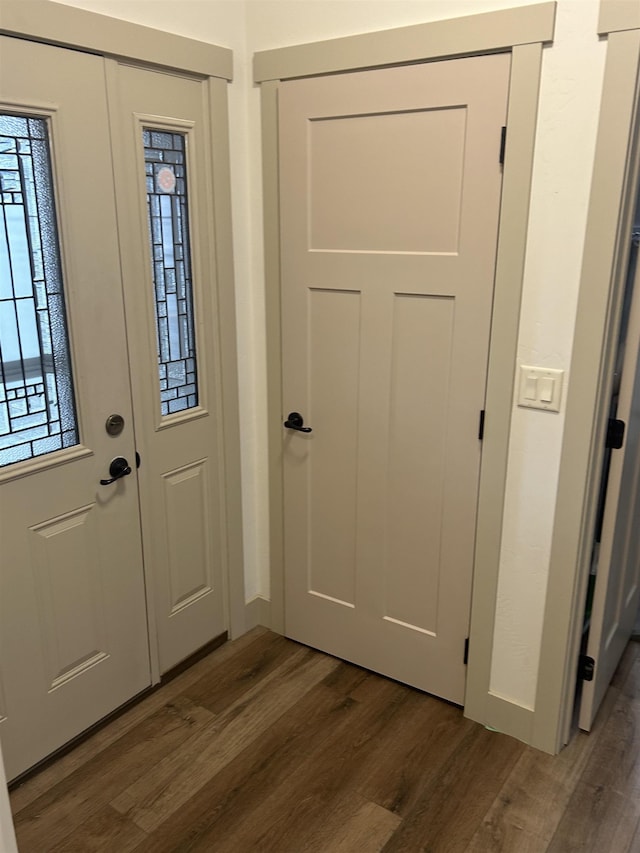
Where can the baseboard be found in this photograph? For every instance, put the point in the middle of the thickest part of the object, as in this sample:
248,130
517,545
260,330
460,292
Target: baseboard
505,717
257,612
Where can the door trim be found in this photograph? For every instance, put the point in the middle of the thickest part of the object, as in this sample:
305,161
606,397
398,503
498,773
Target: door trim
67,26
487,32
523,31
613,190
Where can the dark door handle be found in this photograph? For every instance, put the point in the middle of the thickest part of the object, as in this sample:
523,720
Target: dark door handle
119,468
296,421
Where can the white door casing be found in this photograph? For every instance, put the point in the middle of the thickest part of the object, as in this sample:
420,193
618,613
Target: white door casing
74,641
389,191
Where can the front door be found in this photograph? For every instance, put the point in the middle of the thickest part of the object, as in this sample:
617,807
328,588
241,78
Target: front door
163,178
73,630
390,186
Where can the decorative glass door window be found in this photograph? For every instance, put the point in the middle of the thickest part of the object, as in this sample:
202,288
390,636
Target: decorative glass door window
167,204
37,408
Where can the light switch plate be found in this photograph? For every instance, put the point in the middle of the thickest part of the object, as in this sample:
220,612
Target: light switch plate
540,388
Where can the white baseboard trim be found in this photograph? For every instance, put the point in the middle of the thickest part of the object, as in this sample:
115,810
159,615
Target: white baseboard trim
504,716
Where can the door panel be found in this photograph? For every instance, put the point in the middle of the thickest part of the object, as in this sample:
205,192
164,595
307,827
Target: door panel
617,586
390,190
359,198
73,626
422,334
73,631
189,549
163,181
334,338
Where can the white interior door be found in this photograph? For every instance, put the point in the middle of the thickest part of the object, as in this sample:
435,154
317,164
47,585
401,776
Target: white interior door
163,176
73,631
390,192
617,585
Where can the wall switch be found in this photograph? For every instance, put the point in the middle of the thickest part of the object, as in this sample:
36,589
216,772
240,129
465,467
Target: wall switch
540,388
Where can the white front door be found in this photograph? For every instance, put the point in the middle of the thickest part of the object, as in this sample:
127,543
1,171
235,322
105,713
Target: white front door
120,320
390,186
73,630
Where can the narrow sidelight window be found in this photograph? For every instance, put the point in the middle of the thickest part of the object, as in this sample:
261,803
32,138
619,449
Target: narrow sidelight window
37,408
167,204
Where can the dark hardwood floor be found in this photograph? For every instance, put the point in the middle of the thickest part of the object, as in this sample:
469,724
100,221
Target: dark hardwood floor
266,745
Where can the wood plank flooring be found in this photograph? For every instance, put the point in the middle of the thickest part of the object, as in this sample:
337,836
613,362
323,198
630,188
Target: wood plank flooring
266,745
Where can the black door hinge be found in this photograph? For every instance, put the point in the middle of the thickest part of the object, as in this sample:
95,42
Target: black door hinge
481,426
465,659
503,144
586,668
615,434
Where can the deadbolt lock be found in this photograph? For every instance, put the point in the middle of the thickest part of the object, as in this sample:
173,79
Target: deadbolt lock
114,424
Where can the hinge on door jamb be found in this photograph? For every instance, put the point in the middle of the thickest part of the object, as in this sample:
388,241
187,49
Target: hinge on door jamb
503,144
586,668
481,426
615,434
466,652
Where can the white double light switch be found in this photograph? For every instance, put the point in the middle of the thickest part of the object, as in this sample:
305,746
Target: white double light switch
540,388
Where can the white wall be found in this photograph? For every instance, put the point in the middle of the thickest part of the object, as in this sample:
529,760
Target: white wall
569,111
569,104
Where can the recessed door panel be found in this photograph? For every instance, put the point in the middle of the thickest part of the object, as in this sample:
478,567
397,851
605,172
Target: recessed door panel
334,346
188,545
367,170
420,355
69,576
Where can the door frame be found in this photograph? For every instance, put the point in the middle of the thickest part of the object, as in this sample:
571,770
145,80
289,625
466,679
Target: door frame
521,31
115,39
616,177
7,833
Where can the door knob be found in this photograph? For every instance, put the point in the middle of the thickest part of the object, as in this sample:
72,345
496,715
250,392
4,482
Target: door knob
296,421
119,468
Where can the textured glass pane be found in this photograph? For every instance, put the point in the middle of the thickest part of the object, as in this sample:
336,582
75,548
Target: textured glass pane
37,408
167,205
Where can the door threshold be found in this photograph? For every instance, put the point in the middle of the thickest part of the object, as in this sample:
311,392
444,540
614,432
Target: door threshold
188,662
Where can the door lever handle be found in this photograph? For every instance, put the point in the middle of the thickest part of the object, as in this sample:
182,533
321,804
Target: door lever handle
296,421
119,468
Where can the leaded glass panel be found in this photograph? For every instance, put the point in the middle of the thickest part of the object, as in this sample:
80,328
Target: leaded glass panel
37,408
167,204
